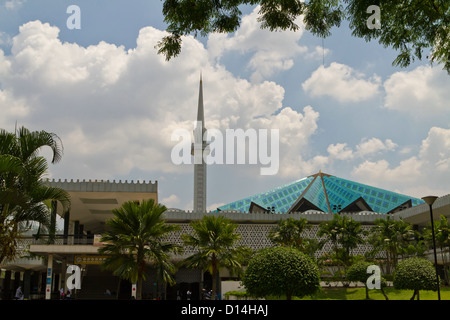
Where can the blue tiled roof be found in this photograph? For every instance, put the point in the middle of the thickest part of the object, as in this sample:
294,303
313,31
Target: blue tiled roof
280,198
380,200
326,193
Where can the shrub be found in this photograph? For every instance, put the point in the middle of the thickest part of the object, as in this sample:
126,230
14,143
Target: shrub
237,294
358,272
281,271
415,274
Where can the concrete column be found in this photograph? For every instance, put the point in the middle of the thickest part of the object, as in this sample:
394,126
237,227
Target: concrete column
52,231
64,275
76,231
66,225
200,290
48,285
8,286
71,232
39,283
27,284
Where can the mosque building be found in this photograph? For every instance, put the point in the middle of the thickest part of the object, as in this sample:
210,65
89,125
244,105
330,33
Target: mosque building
317,197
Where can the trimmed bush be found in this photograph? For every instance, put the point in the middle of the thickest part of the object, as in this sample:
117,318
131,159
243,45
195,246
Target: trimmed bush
415,274
281,271
358,272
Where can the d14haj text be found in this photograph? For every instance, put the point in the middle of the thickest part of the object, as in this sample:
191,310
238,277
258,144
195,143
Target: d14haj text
227,309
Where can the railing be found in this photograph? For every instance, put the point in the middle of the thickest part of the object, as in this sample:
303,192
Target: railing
71,239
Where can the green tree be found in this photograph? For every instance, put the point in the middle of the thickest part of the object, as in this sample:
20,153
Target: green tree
345,234
442,236
216,242
358,272
289,232
409,26
136,241
415,274
281,271
393,237
311,246
24,197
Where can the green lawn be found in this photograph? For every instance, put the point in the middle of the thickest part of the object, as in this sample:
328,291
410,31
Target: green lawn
360,294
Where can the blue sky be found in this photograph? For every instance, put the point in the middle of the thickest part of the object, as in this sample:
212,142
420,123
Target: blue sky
341,108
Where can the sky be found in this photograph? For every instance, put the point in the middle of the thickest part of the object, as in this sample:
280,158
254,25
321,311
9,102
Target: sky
339,104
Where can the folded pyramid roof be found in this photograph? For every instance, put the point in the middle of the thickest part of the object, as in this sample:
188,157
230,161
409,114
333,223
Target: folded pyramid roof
324,192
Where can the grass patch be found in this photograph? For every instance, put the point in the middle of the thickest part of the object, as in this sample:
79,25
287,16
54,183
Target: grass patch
360,294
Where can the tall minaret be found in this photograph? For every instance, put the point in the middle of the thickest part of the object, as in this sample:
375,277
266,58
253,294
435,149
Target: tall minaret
198,149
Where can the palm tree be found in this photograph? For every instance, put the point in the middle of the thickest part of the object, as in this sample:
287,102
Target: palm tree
136,240
442,236
289,232
392,236
24,196
345,234
215,239
381,238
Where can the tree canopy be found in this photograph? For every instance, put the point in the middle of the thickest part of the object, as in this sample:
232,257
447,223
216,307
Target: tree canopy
281,271
217,246
289,232
408,26
415,274
25,199
345,234
136,241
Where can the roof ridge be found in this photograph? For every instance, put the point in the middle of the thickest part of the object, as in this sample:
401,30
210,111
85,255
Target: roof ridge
321,174
325,192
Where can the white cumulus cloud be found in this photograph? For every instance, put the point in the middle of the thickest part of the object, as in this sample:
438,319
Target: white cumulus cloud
115,109
341,82
423,91
270,51
374,146
426,172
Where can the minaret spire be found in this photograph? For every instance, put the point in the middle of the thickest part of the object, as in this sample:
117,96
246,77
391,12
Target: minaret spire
198,150
200,112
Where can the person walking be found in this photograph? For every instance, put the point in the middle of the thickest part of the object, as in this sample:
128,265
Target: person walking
19,293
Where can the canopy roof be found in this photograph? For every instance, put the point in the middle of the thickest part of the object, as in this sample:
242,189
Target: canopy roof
325,193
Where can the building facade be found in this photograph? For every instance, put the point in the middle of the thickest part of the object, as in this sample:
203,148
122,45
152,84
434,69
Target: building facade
45,274
42,267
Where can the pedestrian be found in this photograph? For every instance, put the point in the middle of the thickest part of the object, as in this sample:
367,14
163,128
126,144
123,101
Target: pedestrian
204,294
19,294
61,294
188,295
68,293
